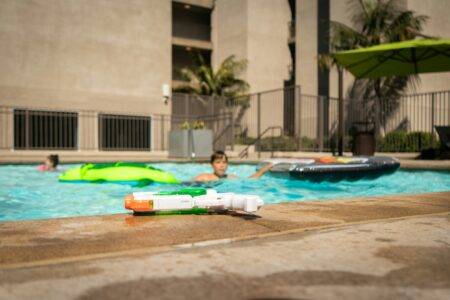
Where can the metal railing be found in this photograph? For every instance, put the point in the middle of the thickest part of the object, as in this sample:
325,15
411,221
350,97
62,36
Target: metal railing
244,153
40,129
308,122
123,132
311,121
46,129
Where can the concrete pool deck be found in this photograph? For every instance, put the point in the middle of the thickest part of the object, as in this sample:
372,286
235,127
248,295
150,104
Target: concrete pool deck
375,247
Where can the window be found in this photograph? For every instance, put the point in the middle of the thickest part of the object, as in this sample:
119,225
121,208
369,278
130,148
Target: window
122,132
36,129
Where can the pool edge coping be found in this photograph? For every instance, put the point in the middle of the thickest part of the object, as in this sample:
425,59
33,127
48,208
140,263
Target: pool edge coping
428,208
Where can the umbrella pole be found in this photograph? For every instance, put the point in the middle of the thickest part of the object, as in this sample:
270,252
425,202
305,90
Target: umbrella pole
341,111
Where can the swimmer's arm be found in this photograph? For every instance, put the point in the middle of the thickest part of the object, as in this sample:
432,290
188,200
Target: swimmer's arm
262,171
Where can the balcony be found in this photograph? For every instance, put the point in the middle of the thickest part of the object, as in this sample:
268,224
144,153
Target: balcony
191,22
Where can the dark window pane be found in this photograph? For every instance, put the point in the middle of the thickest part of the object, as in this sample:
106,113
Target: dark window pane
121,132
42,129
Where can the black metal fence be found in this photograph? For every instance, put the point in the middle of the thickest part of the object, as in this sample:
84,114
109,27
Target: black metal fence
310,122
123,132
36,129
303,123
45,129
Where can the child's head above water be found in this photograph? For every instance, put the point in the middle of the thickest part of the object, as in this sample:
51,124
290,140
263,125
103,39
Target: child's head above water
52,161
219,163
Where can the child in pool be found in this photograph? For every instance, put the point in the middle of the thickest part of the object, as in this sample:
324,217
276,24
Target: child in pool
50,163
219,164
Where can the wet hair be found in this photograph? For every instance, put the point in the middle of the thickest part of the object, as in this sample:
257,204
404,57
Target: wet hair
54,159
218,155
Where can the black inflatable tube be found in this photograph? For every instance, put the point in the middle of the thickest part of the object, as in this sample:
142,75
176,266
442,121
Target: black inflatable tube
372,168
350,174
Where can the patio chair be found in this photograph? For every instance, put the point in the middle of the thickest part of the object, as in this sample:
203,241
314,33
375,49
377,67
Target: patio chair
444,136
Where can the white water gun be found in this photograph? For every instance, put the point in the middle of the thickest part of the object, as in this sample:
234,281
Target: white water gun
206,200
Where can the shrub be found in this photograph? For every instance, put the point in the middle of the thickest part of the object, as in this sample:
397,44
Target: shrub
394,141
244,140
279,143
419,140
308,143
401,141
193,125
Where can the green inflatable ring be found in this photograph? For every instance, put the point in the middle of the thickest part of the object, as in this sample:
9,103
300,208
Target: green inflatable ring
136,174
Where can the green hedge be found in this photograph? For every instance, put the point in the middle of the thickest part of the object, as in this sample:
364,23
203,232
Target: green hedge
402,141
308,143
248,140
279,143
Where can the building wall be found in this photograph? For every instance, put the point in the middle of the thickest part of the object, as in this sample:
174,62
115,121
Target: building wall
339,12
306,64
256,30
306,42
229,31
438,25
108,55
268,51
202,3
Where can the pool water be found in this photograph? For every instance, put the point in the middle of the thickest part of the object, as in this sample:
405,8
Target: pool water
26,193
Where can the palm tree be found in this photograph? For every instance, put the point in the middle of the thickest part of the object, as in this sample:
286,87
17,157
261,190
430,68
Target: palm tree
376,22
204,80
222,83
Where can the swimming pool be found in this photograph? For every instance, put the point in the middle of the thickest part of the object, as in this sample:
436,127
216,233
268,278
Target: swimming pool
26,193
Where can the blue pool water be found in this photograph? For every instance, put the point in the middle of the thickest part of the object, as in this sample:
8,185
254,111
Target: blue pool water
26,193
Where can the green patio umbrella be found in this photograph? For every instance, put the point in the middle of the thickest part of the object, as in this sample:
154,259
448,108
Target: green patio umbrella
402,58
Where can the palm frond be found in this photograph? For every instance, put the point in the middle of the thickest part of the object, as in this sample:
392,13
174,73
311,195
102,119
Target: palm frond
344,37
375,22
405,26
203,80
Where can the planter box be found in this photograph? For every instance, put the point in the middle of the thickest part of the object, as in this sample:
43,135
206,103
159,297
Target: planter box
190,143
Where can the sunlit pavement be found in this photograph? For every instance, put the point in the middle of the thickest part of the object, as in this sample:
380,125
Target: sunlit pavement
377,248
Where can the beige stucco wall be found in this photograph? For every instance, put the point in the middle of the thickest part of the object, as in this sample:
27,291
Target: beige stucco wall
306,46
339,12
229,31
438,25
255,30
306,65
109,55
202,3
268,51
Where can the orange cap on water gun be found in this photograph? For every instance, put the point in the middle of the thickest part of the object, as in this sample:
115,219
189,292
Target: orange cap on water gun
133,204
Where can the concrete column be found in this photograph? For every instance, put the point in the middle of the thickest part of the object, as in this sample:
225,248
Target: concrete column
6,128
88,137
